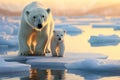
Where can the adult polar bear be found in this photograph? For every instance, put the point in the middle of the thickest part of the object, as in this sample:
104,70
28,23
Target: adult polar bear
35,30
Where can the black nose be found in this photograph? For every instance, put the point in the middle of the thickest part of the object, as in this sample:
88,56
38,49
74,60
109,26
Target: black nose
59,39
39,26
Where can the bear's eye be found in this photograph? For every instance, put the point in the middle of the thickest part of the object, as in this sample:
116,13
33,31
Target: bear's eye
34,17
57,35
61,35
43,16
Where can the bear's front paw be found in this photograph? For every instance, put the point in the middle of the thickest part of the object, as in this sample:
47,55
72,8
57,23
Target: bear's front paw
47,51
25,53
39,53
60,56
54,55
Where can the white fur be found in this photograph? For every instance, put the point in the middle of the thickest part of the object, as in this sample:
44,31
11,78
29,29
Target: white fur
28,22
58,46
31,39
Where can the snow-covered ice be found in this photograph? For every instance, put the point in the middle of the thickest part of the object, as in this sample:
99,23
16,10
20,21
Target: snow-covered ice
59,62
102,40
96,65
8,67
70,29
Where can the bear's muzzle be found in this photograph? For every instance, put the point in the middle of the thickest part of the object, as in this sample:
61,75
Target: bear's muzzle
39,26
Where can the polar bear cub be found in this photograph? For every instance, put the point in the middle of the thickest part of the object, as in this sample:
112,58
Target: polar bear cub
57,43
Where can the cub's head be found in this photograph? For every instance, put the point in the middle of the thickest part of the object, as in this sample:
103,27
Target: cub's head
37,18
59,35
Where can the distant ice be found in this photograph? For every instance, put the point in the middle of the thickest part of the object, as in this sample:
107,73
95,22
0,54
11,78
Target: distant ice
95,65
115,19
102,40
9,27
8,32
79,20
117,27
103,25
8,67
70,29
61,18
8,40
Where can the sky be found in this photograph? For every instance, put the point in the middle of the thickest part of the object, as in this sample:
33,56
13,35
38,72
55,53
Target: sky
64,7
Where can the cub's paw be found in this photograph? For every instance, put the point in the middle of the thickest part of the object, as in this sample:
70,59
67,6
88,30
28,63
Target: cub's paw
39,53
54,55
60,56
25,53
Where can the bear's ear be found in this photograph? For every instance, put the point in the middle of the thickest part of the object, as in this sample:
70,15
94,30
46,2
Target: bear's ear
48,10
54,31
64,31
27,12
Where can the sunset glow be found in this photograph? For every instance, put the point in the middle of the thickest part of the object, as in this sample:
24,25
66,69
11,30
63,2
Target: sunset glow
66,7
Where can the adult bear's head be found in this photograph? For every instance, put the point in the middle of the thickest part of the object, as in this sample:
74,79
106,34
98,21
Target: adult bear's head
37,18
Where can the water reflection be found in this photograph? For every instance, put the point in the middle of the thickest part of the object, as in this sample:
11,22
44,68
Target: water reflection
13,75
94,75
48,74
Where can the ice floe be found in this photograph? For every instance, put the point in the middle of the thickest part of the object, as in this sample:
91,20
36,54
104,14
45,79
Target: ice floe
8,67
103,40
96,65
59,62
